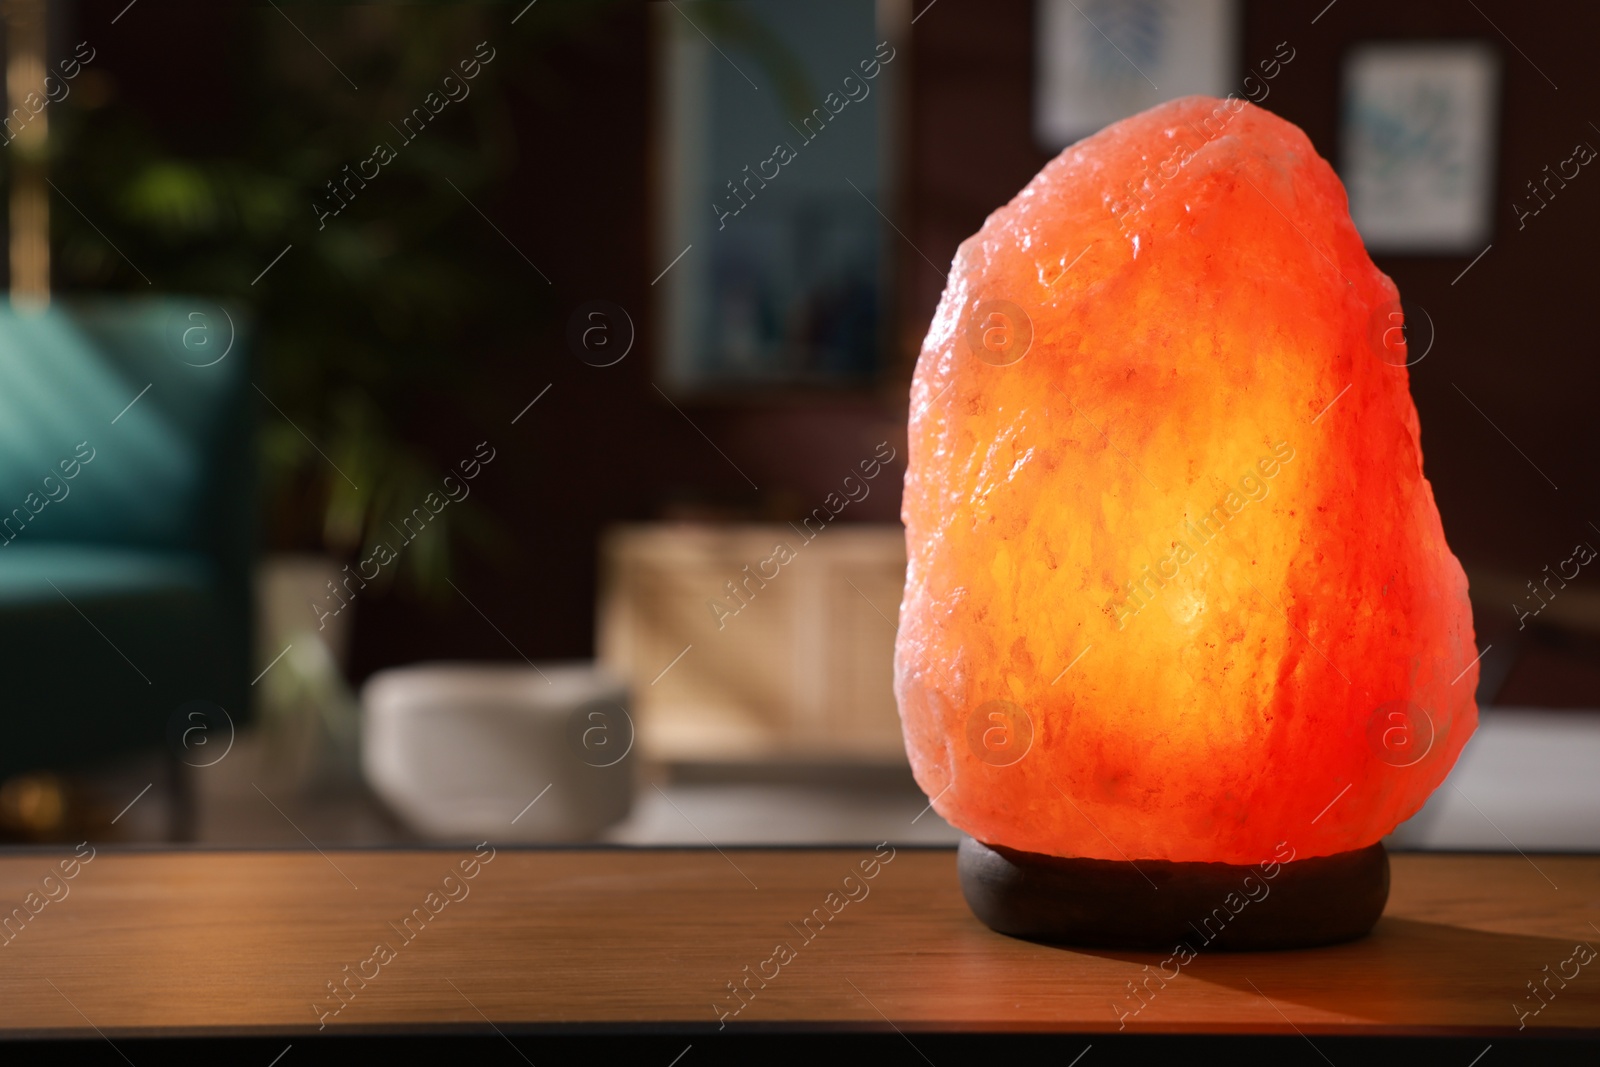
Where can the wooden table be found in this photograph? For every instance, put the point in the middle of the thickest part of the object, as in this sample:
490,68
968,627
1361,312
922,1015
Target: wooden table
242,942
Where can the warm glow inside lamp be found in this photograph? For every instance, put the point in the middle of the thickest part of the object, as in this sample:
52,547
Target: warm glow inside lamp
1181,639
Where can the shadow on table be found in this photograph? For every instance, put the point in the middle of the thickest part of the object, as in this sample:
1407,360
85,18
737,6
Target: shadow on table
1481,979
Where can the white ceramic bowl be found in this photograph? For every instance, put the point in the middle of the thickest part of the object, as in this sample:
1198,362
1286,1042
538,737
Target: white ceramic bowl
461,751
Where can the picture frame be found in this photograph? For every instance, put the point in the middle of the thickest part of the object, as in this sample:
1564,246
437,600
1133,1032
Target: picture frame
776,145
1418,143
1097,61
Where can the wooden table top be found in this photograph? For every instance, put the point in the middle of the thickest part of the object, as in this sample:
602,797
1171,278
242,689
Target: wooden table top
220,943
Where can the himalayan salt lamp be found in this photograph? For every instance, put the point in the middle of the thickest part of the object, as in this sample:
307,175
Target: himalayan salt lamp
1181,637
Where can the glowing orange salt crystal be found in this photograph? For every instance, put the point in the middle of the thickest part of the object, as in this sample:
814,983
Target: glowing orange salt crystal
1177,587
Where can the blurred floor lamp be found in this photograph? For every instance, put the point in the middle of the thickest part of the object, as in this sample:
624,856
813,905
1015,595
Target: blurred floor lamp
30,204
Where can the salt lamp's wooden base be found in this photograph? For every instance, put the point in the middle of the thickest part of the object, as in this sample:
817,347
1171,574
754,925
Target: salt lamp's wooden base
1160,904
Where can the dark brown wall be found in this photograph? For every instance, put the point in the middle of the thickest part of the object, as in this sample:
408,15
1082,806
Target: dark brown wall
602,446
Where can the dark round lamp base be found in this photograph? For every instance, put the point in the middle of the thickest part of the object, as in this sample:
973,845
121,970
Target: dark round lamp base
1159,904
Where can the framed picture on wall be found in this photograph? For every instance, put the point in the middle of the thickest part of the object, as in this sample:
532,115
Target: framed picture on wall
1418,143
776,148
1097,61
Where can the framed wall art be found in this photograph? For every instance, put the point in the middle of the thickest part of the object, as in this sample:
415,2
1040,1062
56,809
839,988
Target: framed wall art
1418,144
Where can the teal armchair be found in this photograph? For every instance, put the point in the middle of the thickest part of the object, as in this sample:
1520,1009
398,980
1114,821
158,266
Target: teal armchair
126,524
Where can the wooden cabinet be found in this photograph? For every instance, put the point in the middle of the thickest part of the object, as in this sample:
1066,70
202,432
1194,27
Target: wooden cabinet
756,642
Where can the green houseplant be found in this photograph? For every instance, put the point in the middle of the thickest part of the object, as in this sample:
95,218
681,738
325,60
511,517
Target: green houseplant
358,315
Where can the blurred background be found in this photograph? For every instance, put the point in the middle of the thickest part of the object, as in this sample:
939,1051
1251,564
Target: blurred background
431,421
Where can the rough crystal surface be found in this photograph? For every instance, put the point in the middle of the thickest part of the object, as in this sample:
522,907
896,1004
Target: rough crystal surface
1177,587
